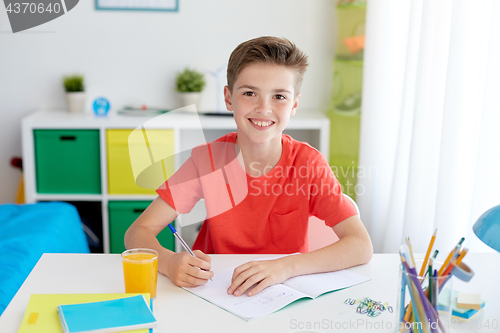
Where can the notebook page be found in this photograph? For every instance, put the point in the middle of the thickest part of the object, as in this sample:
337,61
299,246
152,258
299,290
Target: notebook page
267,301
314,285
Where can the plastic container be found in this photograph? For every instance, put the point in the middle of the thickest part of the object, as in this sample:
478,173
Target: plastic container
435,318
121,215
67,161
120,175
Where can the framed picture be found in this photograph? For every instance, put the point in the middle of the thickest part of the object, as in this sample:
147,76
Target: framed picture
149,5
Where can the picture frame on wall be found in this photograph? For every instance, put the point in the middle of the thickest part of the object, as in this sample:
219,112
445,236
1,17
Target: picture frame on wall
141,5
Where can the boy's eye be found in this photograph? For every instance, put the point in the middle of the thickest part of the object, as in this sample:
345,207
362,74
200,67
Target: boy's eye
280,97
249,93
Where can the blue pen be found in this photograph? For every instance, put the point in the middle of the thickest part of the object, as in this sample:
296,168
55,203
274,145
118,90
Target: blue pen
435,288
184,245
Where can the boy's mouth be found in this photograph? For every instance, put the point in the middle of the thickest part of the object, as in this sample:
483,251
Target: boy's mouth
261,122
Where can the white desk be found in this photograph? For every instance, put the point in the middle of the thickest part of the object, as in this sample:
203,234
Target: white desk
179,311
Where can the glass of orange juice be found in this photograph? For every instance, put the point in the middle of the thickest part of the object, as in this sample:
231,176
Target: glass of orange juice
140,271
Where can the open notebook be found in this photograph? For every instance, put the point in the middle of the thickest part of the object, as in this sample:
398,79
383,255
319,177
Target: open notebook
275,297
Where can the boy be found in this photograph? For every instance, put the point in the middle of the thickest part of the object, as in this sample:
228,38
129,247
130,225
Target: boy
287,180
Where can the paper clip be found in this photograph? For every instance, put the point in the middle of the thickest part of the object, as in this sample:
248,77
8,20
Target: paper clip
369,306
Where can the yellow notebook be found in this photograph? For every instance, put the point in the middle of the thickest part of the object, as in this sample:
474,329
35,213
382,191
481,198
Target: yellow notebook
41,315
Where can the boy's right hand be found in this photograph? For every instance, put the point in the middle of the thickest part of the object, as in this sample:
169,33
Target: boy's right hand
184,270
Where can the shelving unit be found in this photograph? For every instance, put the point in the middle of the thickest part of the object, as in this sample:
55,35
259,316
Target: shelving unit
312,127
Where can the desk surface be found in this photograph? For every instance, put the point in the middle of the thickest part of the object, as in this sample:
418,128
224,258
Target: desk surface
180,311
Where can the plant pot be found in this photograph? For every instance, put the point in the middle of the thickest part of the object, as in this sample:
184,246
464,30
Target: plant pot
188,98
75,101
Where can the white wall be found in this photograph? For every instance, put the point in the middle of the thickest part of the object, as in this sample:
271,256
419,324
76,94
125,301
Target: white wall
132,57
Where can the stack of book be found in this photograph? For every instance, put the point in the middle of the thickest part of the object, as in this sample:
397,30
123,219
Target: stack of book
89,313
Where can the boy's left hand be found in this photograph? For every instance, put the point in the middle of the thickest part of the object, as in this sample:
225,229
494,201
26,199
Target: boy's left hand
262,274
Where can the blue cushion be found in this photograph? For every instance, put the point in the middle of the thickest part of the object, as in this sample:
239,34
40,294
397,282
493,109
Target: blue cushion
28,231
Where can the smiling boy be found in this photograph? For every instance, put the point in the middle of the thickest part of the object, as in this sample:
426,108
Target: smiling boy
263,92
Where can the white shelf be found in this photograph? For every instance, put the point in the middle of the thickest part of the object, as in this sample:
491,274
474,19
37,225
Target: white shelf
130,197
310,126
68,197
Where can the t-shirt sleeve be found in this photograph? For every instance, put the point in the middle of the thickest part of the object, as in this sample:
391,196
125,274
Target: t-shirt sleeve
183,189
326,200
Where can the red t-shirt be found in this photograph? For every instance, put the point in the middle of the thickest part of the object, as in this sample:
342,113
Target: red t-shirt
257,215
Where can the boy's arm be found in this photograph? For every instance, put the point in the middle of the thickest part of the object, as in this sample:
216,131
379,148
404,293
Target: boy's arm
181,268
354,247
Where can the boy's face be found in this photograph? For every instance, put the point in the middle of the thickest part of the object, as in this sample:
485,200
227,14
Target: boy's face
263,99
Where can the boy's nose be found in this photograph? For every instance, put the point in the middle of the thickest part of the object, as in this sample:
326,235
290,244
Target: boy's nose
264,107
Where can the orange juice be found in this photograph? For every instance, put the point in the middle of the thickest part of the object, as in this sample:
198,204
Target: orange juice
140,271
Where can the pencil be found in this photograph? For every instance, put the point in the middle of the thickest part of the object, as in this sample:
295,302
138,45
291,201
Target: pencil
421,297
411,251
429,249
419,311
450,256
435,254
402,299
431,287
446,273
461,256
433,257
453,264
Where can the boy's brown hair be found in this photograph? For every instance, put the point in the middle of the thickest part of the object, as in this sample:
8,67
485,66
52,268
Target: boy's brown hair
268,50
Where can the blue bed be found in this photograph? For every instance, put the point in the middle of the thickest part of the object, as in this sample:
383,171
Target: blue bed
28,231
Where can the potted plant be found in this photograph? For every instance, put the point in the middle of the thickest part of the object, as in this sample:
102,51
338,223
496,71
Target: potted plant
189,85
75,93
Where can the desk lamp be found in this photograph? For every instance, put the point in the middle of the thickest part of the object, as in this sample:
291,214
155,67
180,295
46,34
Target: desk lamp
487,228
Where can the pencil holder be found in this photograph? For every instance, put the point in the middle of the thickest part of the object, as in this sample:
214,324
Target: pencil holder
424,302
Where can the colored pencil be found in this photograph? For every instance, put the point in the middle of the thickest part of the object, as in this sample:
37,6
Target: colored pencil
450,257
431,294
435,290
426,305
413,296
462,255
411,251
429,249
433,257
450,267
435,254
402,299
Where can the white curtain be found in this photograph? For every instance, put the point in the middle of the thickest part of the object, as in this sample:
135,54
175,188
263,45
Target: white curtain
430,125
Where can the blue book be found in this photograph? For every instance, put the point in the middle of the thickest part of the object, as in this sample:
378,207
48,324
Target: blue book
123,314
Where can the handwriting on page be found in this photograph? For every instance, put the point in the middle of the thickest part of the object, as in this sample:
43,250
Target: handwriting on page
267,301
275,297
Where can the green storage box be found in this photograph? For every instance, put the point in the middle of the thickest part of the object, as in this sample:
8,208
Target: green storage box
121,216
67,161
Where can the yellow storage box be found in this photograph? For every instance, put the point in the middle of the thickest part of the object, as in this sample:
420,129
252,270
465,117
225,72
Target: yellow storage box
121,178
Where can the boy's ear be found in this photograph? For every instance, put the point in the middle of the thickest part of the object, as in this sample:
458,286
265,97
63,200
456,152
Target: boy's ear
227,98
295,104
